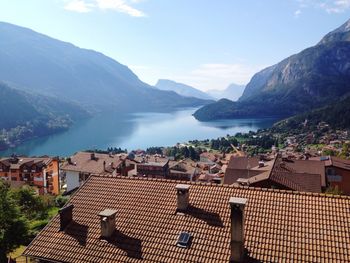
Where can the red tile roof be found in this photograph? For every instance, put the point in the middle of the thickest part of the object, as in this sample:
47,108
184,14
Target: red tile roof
298,175
340,163
81,162
280,226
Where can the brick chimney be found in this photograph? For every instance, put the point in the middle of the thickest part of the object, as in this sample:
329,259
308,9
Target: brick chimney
66,216
107,218
237,229
183,196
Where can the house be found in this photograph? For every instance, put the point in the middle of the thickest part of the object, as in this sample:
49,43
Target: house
183,170
337,172
297,175
40,172
81,165
279,172
215,168
156,169
207,177
155,220
246,167
209,158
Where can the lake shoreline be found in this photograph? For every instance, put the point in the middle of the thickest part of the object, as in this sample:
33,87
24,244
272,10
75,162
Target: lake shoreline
133,131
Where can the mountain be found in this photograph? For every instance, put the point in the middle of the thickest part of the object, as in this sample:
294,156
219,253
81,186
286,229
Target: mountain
24,116
221,109
232,92
182,89
313,78
309,121
38,63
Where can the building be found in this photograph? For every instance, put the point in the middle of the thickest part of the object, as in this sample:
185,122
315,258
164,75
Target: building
39,172
337,172
246,167
81,165
186,170
209,158
157,169
155,220
281,173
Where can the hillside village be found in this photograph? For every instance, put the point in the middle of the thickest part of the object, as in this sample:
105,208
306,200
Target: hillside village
231,165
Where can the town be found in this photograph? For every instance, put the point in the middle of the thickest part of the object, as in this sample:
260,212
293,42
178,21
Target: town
254,161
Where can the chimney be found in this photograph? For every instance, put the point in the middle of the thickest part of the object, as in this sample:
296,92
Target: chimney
261,164
237,228
243,181
92,156
107,218
104,165
183,196
66,216
69,160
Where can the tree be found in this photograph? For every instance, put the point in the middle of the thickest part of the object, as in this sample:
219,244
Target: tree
13,225
30,203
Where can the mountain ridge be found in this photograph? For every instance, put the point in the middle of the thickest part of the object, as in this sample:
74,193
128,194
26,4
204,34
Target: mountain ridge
182,89
314,77
232,92
35,62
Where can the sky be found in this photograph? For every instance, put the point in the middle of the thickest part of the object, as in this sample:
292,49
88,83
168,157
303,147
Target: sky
207,44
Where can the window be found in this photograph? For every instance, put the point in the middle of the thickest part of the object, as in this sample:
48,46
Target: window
184,240
331,171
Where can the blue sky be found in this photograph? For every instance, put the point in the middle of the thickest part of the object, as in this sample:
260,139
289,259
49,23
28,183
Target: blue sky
205,43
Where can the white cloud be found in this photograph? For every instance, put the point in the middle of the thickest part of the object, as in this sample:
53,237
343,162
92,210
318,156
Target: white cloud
120,6
218,75
78,6
123,6
330,6
297,13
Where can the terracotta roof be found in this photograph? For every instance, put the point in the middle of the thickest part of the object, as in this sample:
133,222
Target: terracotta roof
81,162
238,168
241,163
308,167
146,158
298,175
340,163
280,226
210,156
25,161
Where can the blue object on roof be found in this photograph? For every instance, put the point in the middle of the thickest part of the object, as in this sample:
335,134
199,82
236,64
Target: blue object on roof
184,240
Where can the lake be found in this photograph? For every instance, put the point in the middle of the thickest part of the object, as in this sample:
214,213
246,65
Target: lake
134,131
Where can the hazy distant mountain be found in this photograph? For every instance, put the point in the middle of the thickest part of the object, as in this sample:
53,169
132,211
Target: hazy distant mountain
182,89
232,92
35,62
311,79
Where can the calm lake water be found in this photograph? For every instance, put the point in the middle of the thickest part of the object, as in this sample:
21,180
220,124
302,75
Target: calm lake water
135,131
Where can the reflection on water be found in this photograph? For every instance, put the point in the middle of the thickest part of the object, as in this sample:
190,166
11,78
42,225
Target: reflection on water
135,131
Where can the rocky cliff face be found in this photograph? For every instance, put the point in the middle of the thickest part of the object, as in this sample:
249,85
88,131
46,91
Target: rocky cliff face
312,78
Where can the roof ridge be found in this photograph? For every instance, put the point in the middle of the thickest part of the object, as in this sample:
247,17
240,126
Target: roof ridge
280,178
218,185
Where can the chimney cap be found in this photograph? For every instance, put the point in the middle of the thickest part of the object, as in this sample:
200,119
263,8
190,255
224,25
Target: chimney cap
234,201
66,208
182,186
107,213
